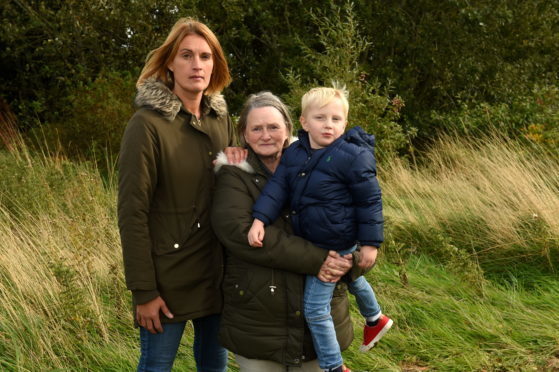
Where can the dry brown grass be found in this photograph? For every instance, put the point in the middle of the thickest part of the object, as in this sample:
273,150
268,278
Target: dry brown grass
496,196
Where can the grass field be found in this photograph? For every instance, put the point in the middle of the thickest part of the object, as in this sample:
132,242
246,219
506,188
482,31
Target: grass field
468,273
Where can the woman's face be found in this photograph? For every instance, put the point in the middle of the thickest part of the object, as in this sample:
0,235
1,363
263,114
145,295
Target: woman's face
192,66
266,131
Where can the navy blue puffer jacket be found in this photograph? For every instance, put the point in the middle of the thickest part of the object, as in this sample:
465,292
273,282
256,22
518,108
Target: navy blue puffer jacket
333,193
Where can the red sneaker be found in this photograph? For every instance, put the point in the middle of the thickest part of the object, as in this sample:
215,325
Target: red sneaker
372,335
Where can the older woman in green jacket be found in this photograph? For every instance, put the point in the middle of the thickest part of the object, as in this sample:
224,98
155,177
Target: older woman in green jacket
262,320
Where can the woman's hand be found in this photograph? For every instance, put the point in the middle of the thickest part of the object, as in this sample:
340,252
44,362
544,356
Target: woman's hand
235,155
147,314
368,257
334,267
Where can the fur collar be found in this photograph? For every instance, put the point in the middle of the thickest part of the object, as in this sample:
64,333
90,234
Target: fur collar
221,160
156,95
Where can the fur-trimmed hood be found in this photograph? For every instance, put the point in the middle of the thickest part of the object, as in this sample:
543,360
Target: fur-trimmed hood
221,160
156,95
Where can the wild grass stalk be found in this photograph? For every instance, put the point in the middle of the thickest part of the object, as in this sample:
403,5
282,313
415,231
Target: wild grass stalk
493,200
65,306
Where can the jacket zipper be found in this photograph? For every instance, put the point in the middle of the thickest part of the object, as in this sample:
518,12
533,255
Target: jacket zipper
197,220
272,286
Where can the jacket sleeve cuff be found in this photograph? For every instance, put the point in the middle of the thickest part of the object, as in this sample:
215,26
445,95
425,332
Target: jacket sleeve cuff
372,243
262,218
143,296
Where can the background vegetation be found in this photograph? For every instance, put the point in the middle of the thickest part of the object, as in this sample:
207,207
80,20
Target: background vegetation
462,96
468,271
412,68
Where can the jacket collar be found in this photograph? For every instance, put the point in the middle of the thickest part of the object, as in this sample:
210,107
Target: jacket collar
156,95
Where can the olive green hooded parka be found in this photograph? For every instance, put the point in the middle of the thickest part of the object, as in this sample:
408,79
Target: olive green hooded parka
165,187
263,288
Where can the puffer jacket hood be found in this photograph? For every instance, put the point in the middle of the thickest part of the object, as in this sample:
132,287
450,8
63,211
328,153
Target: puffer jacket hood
154,94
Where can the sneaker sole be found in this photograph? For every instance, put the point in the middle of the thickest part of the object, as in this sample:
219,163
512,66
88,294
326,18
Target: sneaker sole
370,345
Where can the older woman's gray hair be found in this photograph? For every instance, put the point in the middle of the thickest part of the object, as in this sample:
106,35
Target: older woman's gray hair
258,100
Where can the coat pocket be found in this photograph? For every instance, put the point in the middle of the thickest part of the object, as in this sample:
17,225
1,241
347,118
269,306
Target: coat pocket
236,284
169,230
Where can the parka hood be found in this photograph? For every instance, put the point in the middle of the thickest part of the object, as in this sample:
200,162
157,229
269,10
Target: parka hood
156,95
221,160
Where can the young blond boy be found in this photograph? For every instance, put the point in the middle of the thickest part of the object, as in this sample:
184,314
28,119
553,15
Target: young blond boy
328,179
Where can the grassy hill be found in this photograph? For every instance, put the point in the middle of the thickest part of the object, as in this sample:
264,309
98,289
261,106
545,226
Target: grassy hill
468,272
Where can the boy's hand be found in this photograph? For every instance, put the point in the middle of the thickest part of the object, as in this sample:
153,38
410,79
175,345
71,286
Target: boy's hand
256,233
368,257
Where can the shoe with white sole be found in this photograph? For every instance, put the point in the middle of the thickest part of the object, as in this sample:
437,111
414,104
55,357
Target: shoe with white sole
372,334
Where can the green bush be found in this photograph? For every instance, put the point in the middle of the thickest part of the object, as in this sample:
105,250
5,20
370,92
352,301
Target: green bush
96,119
534,117
443,55
336,60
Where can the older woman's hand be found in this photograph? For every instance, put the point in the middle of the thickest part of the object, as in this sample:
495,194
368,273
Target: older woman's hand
334,267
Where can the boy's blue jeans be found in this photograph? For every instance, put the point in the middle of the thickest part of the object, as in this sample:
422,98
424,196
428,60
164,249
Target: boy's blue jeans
158,351
318,295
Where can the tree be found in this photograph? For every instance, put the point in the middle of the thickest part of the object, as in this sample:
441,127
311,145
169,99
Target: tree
337,59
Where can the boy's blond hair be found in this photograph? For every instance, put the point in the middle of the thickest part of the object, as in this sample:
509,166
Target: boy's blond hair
321,96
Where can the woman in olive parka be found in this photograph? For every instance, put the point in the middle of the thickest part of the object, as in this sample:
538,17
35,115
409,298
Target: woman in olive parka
262,320
172,259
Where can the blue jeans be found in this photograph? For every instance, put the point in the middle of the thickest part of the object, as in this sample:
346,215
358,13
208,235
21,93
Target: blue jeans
318,295
158,351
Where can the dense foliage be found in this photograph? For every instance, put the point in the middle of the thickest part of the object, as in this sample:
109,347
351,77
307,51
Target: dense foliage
428,65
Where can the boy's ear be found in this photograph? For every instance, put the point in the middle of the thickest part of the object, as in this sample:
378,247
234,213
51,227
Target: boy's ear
303,122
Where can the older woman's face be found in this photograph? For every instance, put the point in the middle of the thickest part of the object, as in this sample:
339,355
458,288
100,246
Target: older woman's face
266,131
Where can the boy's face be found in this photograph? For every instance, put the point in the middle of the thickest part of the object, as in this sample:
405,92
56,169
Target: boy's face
324,124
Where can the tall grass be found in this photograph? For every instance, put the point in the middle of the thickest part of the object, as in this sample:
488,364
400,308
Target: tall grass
60,275
460,215
492,201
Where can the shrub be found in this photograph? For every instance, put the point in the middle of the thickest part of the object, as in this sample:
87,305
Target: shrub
98,114
534,117
336,59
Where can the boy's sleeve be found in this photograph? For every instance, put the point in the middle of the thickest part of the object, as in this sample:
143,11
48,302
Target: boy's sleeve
273,197
367,199
231,220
